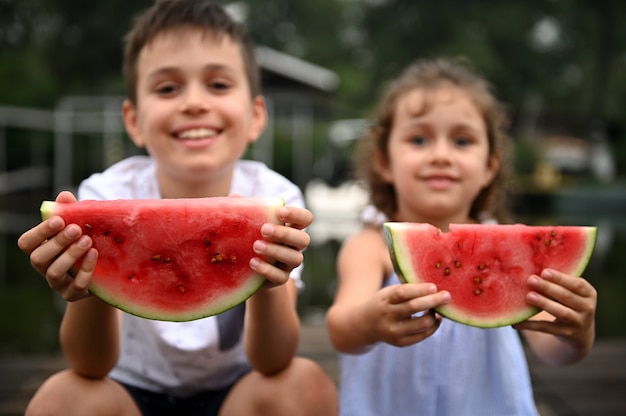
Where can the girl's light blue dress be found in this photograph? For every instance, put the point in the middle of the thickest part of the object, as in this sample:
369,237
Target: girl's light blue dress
458,371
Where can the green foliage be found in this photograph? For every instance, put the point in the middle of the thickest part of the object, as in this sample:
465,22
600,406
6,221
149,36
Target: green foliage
569,53
525,157
53,48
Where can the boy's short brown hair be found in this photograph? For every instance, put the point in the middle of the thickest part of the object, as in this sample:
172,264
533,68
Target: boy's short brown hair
203,15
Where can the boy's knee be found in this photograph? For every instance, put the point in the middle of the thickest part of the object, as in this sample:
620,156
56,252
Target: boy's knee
303,388
314,388
58,396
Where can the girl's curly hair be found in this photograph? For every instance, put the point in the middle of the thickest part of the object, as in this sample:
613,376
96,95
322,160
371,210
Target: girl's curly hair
430,75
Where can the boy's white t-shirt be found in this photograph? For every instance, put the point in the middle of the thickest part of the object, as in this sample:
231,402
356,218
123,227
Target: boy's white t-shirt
183,358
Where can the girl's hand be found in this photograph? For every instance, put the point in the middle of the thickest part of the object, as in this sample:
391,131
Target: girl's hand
285,245
571,302
54,248
402,314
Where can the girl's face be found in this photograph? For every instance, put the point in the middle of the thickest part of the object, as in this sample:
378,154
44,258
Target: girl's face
194,114
438,156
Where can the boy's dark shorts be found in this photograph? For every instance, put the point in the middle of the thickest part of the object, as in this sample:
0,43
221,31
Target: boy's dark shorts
206,403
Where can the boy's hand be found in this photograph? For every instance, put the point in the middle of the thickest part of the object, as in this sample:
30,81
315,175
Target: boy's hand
402,315
54,248
570,300
285,245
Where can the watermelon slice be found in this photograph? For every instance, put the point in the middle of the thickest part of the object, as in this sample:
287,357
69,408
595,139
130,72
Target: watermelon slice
485,267
172,259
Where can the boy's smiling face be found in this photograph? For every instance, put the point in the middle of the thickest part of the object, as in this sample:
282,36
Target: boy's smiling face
194,113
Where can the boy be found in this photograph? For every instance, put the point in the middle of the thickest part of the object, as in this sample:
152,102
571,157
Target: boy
194,104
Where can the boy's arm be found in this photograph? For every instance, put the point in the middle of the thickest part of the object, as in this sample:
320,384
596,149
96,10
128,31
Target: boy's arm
90,337
564,332
272,328
272,325
89,333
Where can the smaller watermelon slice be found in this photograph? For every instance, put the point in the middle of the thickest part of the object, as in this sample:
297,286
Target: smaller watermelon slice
486,267
172,259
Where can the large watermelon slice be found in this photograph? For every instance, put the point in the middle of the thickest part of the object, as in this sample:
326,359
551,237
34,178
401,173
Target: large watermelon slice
485,267
172,259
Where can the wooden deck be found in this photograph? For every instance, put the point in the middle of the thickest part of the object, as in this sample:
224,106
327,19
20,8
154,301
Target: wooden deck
594,387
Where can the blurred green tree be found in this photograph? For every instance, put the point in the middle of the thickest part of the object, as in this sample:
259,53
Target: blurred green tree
568,57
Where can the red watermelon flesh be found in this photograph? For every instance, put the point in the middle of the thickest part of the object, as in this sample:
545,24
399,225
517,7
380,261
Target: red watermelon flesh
486,267
172,259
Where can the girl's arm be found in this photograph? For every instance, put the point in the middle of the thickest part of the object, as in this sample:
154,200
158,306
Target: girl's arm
564,332
364,313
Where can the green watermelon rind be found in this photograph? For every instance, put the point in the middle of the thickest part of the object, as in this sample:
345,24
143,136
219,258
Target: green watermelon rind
592,234
400,258
46,209
228,302
235,298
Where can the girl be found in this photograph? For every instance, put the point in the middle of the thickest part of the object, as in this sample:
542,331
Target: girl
437,153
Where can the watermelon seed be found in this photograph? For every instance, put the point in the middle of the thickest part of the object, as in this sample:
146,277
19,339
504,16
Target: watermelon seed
478,292
117,240
107,232
207,242
548,242
478,280
182,289
438,265
457,264
131,276
156,258
446,271
167,260
89,227
233,258
217,258
553,233
482,266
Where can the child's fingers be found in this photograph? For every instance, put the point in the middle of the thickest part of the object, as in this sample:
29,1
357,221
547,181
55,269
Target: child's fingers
403,293
287,256
77,287
34,237
410,299
277,274
555,308
65,197
288,236
554,288
574,284
405,328
68,258
50,249
298,218
418,329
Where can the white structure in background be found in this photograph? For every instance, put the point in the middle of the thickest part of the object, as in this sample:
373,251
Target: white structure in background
581,155
291,86
336,210
344,132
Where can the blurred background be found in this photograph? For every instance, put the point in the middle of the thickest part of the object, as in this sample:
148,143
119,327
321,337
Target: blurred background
560,66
